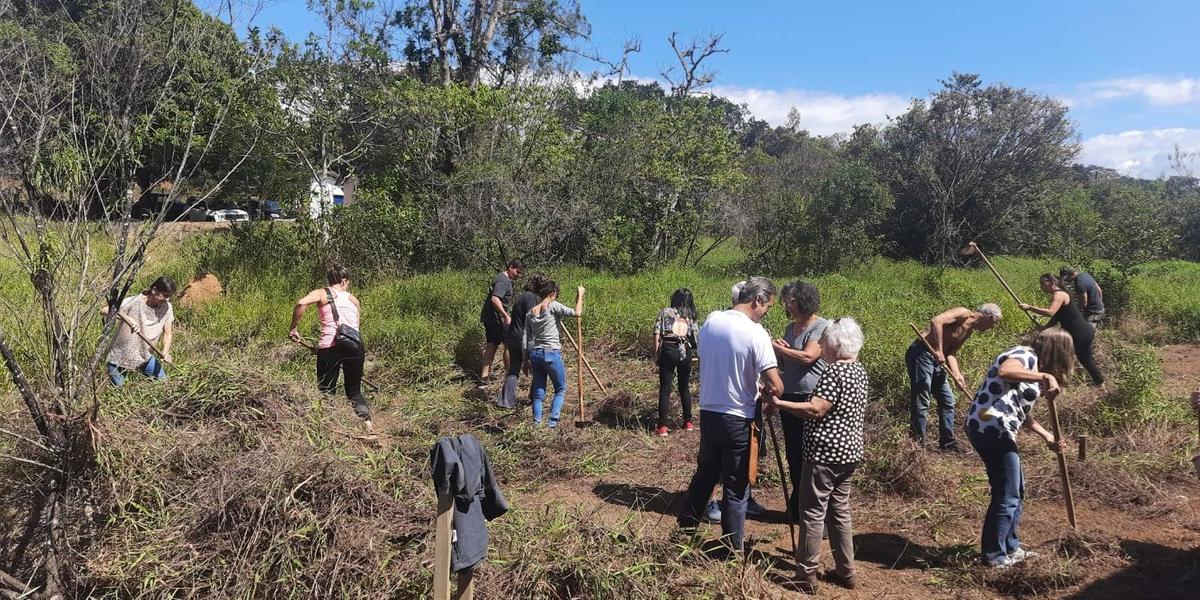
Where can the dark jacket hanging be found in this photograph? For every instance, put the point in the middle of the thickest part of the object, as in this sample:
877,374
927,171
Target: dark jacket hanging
460,468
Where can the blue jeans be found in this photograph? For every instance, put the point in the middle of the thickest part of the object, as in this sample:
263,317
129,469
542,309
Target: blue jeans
927,379
724,456
999,454
152,368
543,363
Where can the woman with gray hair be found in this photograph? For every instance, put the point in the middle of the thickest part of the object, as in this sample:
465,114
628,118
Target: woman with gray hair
833,448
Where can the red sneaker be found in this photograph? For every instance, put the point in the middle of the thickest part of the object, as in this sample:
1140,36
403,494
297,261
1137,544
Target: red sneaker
661,431
687,426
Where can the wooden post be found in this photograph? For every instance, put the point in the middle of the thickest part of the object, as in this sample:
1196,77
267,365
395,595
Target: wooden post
443,541
1062,464
1082,439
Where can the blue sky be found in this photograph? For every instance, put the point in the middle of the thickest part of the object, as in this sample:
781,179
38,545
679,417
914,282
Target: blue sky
1130,70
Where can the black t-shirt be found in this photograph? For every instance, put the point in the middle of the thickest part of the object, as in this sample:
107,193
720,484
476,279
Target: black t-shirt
502,288
520,308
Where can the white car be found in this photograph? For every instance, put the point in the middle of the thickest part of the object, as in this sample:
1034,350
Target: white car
202,212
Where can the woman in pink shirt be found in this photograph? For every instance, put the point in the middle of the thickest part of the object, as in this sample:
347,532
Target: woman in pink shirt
330,357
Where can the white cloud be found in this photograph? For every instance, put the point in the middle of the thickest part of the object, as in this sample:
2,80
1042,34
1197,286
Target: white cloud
1158,91
1139,153
821,113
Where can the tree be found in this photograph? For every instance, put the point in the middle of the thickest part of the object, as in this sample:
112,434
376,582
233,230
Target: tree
91,104
453,42
972,163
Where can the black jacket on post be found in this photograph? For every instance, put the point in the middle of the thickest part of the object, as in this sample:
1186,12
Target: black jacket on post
460,468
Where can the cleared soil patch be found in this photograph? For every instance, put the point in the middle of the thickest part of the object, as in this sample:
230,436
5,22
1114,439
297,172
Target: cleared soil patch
920,547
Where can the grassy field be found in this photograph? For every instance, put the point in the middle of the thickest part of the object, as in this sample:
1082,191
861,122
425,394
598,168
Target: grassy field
236,480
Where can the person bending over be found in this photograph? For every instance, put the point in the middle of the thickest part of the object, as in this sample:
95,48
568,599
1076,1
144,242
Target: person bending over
150,314
946,334
1001,408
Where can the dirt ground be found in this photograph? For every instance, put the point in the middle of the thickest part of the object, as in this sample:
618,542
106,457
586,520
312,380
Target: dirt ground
927,547
201,290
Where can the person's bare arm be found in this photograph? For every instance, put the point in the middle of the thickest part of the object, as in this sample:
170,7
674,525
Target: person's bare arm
579,301
1032,425
937,326
168,335
955,372
499,306
814,408
1060,298
302,304
1014,370
806,355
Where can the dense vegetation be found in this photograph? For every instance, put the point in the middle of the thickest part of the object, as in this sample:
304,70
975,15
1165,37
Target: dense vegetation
470,151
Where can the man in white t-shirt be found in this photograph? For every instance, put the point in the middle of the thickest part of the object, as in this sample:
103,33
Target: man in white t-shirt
737,351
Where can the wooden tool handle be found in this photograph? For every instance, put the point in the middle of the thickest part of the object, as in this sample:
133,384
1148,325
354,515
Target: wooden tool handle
987,262
579,362
1062,463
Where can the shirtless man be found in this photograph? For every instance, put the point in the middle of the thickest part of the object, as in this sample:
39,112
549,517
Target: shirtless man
946,335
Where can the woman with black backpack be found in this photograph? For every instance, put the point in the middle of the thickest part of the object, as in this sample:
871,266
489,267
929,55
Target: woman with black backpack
339,346
675,333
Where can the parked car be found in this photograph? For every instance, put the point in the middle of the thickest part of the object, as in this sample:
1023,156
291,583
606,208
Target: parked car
267,210
218,212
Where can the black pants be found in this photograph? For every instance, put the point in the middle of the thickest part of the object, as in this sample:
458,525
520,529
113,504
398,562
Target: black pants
329,362
724,457
1083,351
793,443
672,367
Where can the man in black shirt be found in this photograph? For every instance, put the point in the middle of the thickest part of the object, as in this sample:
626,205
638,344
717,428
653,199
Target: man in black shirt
1088,294
495,317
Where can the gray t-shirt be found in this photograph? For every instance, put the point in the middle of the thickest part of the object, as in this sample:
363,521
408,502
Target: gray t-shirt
799,378
541,331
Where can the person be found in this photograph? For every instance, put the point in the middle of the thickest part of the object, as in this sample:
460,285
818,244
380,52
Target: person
737,353
513,337
833,449
928,377
335,306
495,316
1002,406
674,342
800,368
149,314
1088,294
1063,312
712,511
543,349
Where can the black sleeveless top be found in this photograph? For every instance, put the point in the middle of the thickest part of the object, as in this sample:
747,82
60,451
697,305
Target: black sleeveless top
1069,317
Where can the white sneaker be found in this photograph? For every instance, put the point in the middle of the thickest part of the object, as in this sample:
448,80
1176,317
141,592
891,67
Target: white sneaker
1021,554
1004,563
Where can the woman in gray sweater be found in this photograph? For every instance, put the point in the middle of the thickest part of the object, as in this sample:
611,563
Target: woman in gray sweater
543,349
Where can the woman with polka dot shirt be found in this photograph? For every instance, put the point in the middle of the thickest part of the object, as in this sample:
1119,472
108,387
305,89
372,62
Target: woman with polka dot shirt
1002,406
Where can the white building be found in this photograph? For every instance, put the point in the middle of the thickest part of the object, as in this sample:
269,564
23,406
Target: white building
324,196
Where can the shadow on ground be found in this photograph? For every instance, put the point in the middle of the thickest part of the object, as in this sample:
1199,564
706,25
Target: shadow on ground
1155,571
